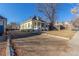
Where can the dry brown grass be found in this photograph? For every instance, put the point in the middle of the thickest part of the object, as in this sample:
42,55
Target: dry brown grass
3,48
62,33
40,45
43,45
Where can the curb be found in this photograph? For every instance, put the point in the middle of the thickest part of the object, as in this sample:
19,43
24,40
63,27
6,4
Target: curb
8,47
9,50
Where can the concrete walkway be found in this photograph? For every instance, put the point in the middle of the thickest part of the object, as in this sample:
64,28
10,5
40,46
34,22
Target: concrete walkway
74,45
54,36
75,39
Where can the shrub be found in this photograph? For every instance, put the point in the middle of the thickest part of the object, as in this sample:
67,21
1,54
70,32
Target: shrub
28,30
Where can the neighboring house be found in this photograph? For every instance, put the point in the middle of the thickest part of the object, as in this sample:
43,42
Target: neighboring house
34,23
13,26
68,25
59,25
63,25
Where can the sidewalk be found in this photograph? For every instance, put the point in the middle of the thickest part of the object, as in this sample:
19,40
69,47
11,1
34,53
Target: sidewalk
74,44
75,39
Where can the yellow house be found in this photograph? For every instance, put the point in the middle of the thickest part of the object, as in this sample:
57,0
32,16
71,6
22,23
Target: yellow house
34,23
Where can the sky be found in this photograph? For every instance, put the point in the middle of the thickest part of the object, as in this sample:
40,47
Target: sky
64,12
19,12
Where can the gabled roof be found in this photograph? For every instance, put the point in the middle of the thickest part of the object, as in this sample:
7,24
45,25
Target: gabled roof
35,18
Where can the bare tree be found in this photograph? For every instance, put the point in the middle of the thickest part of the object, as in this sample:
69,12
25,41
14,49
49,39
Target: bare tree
49,10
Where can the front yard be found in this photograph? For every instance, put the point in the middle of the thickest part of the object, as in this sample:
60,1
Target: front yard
62,33
44,45
3,48
40,45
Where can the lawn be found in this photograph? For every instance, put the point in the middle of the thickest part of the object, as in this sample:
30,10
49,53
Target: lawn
3,48
40,45
62,33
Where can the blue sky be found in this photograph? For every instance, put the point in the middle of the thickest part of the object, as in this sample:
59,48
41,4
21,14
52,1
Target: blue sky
21,12
64,12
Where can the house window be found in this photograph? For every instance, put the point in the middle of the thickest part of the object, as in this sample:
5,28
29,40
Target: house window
35,23
38,23
28,25
22,27
46,26
42,25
